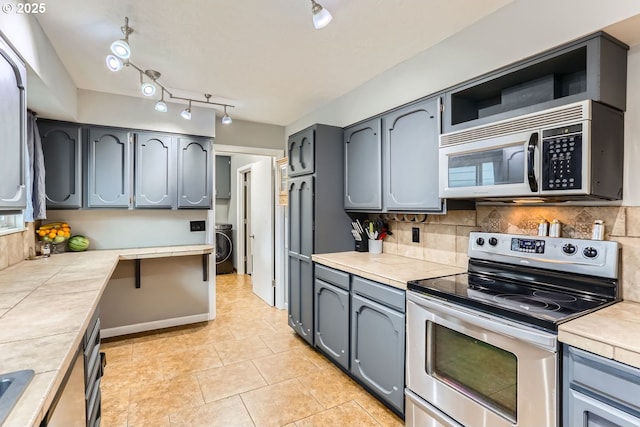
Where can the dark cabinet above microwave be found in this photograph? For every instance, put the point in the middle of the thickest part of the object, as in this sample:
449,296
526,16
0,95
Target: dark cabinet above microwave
594,68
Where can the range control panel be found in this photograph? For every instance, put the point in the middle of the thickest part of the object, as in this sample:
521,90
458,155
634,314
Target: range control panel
595,257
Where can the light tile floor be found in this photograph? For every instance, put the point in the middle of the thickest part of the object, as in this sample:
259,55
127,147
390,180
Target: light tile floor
245,368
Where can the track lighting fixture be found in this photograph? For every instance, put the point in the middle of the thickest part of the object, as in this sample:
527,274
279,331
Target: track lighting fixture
186,113
321,16
120,58
161,106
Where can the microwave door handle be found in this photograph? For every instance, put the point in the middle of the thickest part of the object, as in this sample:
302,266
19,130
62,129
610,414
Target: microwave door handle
531,158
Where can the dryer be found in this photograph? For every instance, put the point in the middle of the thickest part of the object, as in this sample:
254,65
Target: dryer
224,248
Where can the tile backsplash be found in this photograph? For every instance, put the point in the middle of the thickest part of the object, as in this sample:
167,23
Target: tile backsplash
15,247
445,238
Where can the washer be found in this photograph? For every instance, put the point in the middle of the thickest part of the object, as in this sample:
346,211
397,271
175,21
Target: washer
224,249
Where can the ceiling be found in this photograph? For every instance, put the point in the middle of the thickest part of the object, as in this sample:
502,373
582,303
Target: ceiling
263,56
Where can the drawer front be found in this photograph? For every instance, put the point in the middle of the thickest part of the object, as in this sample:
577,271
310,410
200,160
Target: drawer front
585,411
335,277
91,329
383,294
603,377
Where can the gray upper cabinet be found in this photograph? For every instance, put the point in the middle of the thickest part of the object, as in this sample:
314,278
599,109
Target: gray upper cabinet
363,166
410,144
195,173
109,168
155,171
62,149
223,177
13,110
300,151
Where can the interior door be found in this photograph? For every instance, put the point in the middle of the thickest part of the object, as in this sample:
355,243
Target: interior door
261,208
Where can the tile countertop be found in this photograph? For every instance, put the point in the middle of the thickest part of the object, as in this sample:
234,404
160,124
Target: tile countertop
612,332
45,307
389,269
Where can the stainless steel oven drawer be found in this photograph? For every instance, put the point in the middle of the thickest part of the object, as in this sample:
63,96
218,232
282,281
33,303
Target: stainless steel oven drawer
419,413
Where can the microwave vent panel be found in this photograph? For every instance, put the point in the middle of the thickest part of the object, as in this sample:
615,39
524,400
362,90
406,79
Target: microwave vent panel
556,116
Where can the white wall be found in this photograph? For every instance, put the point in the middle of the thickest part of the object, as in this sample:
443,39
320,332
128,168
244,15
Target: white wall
111,228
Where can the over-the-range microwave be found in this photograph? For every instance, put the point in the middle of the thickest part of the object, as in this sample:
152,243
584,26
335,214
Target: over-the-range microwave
564,153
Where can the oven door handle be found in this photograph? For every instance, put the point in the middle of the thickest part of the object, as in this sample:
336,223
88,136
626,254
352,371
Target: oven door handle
531,162
440,309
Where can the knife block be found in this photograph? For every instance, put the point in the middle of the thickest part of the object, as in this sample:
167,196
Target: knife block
362,245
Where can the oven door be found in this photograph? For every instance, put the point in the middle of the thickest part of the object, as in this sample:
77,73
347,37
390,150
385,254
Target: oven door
480,370
504,166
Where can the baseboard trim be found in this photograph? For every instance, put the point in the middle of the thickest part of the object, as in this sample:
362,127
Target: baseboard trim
150,326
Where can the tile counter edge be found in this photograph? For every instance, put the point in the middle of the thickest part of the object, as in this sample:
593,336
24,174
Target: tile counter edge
612,332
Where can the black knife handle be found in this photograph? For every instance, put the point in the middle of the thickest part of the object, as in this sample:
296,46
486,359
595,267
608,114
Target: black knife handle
531,158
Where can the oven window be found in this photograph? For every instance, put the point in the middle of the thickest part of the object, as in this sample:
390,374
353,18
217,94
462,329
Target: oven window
499,166
481,371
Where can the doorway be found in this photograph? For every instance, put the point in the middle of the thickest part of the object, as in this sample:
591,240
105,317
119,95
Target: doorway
247,256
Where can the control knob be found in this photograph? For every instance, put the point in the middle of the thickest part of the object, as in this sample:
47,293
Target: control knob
493,241
480,241
569,248
590,252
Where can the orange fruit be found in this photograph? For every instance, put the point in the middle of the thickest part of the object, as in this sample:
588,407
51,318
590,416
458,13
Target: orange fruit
52,235
60,232
42,233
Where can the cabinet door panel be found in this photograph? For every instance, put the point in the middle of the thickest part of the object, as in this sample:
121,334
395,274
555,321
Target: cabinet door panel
62,150
155,183
12,129
411,157
332,321
377,349
294,292
195,170
306,217
301,153
585,411
294,216
223,177
306,300
109,168
363,166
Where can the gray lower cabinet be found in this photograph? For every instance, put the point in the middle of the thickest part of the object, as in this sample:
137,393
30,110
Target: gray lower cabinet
13,110
363,166
223,177
155,171
377,340
195,173
62,150
410,144
93,371
599,392
109,168
332,314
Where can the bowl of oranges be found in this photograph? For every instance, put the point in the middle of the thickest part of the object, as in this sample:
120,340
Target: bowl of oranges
55,233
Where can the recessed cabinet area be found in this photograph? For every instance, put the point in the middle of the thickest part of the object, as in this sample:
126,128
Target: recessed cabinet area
103,167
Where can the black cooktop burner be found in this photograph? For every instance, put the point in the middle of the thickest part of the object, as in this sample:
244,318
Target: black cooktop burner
521,298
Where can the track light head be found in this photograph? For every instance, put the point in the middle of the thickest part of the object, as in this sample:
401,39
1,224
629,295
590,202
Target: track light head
186,113
121,49
321,16
226,119
148,89
114,63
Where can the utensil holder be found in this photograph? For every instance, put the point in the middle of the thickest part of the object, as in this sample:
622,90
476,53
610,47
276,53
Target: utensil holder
375,246
361,245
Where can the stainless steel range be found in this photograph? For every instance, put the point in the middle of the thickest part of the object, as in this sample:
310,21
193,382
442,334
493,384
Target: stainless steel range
482,348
